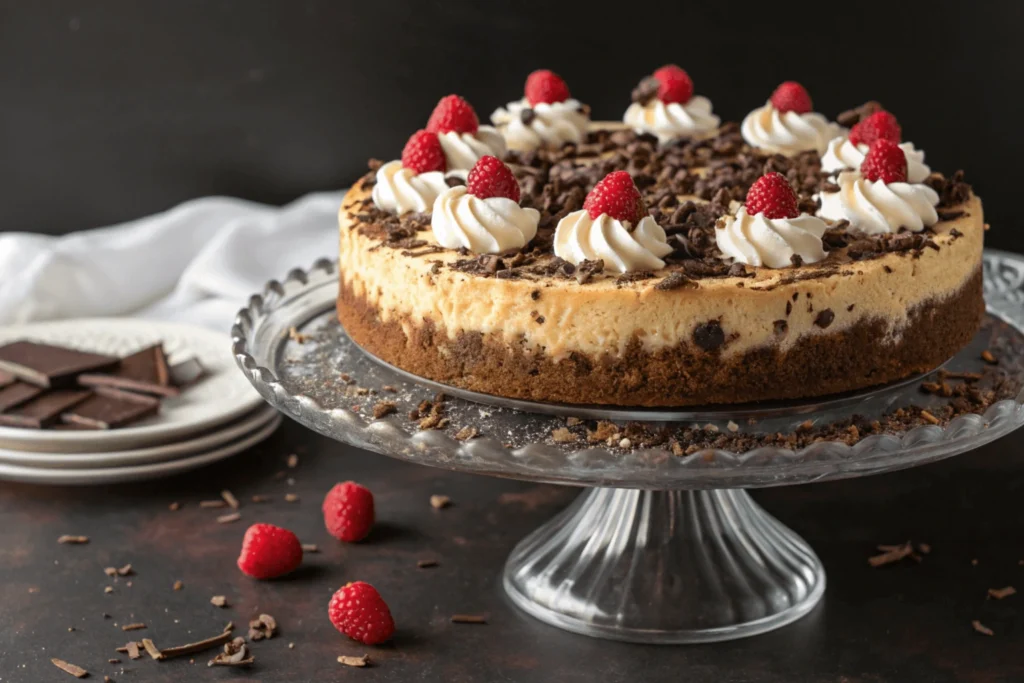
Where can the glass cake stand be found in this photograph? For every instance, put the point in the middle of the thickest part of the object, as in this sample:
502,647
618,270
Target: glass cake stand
662,548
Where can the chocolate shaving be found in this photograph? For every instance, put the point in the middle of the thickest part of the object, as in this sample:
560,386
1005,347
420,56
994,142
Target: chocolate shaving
229,518
236,653
262,627
361,661
133,627
132,649
72,540
1000,593
468,619
213,504
981,628
426,564
219,601
310,548
891,554
66,667
230,499
676,280
151,649
291,498
192,648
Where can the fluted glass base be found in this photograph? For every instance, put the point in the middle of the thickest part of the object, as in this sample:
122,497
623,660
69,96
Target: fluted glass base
665,567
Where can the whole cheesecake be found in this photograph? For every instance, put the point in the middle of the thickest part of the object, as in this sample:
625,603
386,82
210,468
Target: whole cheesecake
704,327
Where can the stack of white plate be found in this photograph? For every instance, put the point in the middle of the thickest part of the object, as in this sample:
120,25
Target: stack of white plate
217,417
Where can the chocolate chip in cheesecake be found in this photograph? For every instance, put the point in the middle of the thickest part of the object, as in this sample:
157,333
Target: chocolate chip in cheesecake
527,115
709,336
824,318
781,328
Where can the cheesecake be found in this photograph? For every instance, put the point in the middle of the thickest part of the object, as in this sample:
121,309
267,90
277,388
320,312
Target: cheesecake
640,267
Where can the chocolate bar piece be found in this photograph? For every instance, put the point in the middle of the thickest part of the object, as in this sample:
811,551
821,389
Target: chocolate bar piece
144,371
43,410
6,379
50,366
16,394
111,408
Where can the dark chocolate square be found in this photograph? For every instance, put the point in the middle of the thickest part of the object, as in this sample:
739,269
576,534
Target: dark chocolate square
16,394
50,366
111,408
145,371
44,409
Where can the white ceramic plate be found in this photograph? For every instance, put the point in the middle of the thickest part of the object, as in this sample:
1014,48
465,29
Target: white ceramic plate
223,395
232,431
117,475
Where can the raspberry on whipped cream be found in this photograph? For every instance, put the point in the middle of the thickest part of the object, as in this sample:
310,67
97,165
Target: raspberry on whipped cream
613,227
412,184
484,216
847,152
786,125
664,105
462,137
769,230
547,116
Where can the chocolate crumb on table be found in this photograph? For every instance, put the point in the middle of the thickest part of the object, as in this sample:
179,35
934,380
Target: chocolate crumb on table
213,504
229,498
219,601
1000,593
72,540
891,554
981,628
310,548
360,661
227,519
236,653
468,619
439,502
262,627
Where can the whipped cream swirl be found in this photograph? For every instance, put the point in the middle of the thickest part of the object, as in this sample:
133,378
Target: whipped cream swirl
843,154
788,132
545,125
877,207
401,190
757,240
579,237
462,150
484,226
673,120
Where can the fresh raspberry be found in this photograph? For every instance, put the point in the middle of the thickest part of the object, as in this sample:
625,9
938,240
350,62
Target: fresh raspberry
269,551
791,96
885,161
358,611
453,114
674,84
491,178
545,87
879,126
348,511
423,153
617,196
772,195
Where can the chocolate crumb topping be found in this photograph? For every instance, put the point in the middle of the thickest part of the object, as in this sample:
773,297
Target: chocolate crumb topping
676,281
646,90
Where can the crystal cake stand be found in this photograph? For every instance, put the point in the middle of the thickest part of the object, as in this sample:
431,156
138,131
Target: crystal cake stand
663,548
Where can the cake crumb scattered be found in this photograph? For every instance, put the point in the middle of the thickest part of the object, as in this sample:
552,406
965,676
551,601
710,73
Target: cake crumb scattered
981,628
296,336
1000,593
562,435
360,661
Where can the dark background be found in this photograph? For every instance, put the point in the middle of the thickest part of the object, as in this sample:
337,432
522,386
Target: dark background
113,109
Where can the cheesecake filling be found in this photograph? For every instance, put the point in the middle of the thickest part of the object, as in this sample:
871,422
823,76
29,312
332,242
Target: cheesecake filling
669,121
483,226
546,124
789,132
843,155
622,247
757,240
876,207
463,150
400,190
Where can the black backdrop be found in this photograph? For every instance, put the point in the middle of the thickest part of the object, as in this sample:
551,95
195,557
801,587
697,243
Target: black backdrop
112,109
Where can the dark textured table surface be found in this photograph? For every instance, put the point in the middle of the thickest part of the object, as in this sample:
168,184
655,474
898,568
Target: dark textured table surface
905,623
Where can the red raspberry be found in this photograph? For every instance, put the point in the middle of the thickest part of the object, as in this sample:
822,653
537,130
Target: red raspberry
885,161
453,113
772,195
269,551
675,84
348,511
791,96
617,196
879,126
545,87
491,178
423,153
358,611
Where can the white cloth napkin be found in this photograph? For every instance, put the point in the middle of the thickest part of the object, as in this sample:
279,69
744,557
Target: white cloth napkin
196,263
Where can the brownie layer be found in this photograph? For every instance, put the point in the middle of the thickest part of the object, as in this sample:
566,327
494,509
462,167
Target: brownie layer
686,374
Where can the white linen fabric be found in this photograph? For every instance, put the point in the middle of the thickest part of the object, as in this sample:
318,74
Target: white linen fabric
196,263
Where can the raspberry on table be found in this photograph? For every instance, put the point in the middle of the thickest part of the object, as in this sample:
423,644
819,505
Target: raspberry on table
773,196
358,611
269,551
490,177
453,114
881,125
791,96
674,84
617,196
545,87
885,161
348,511
423,153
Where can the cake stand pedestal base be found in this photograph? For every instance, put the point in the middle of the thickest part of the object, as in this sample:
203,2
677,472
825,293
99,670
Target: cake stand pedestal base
665,567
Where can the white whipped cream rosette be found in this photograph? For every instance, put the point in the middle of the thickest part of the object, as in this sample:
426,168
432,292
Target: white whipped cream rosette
672,120
401,190
842,154
484,226
545,124
878,207
788,132
756,240
619,244
463,150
